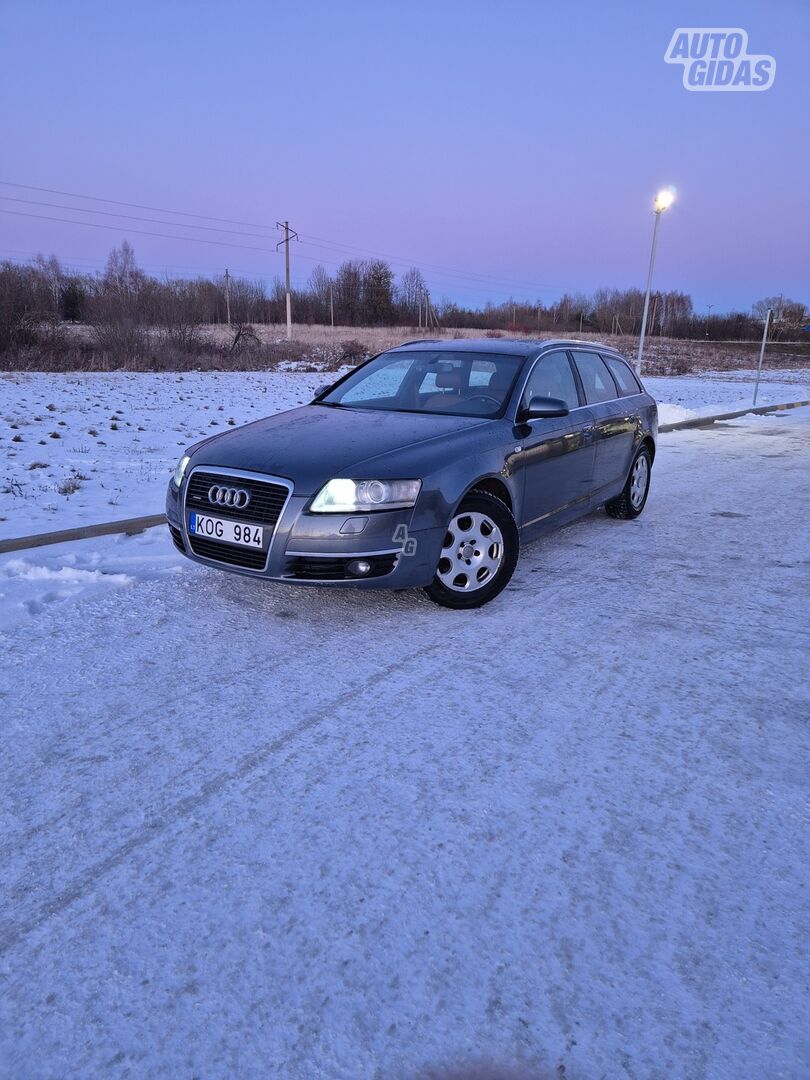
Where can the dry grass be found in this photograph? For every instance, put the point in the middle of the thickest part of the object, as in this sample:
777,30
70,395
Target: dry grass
324,348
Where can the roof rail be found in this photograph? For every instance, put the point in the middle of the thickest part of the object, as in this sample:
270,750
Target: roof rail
418,341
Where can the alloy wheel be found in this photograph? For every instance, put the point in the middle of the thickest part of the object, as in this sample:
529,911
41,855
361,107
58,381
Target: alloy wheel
472,552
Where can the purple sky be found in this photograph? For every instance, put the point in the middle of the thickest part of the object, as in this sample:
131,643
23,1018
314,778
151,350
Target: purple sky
517,145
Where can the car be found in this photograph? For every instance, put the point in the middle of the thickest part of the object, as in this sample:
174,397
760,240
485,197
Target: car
426,466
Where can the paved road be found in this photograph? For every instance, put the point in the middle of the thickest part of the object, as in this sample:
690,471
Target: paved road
262,831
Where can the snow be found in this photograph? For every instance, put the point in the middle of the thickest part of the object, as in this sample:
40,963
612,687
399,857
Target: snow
120,434
254,830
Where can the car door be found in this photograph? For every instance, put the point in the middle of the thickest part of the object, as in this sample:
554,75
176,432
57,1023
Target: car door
557,454
614,427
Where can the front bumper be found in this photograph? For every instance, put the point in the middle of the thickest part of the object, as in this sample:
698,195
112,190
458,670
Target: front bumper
315,549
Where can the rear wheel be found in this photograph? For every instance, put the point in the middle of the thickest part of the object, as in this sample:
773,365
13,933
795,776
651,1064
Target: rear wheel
479,553
633,498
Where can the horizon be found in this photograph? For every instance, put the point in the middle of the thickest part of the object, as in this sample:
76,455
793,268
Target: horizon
307,135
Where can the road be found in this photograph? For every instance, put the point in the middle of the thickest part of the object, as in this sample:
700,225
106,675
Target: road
300,833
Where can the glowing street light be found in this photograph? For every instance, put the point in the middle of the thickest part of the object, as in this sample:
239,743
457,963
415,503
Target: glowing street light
663,200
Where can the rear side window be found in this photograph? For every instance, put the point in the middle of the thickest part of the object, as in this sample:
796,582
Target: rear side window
628,384
596,380
553,378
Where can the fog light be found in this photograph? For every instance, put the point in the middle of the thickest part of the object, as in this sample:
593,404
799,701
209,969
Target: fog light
359,567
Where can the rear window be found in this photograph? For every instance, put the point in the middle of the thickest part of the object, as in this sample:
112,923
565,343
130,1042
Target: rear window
596,380
622,373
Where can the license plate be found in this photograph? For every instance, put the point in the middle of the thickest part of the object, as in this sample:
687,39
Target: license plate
229,532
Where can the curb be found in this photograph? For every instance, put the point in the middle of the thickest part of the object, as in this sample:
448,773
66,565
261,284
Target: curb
82,532
705,421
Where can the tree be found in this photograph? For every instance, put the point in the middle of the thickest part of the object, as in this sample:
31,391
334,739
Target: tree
787,316
349,292
51,273
71,300
410,293
121,273
378,293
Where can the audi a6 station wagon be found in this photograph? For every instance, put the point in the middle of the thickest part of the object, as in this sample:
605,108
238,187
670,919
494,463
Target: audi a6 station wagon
427,466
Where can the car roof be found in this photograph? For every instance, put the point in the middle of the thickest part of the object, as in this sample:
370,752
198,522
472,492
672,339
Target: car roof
508,346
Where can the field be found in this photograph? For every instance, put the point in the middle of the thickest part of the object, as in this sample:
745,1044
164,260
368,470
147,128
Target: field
324,348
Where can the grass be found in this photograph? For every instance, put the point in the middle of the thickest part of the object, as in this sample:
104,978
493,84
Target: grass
324,348
71,484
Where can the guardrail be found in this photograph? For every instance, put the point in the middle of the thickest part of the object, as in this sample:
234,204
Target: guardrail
131,526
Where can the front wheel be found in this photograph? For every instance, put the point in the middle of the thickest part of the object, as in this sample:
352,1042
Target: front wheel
633,498
479,553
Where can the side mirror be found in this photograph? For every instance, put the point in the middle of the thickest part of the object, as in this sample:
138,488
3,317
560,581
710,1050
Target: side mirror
543,408
321,389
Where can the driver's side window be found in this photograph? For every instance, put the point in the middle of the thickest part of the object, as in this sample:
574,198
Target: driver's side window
552,378
383,383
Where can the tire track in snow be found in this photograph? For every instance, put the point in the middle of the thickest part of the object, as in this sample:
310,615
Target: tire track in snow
11,934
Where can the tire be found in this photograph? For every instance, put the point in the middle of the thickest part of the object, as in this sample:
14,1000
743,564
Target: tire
479,554
633,498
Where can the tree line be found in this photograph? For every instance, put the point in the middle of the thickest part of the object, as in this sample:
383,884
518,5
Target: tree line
123,306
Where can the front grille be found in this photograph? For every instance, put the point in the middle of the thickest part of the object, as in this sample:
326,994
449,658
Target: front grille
317,568
266,498
248,558
177,537
266,503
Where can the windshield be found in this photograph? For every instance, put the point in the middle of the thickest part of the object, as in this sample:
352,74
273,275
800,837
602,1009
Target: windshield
440,381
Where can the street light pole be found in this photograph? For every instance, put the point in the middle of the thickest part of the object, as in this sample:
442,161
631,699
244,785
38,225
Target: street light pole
663,200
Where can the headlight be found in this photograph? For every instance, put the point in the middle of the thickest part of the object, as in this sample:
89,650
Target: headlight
349,496
180,471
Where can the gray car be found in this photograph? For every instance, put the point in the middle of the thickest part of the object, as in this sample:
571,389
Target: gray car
427,466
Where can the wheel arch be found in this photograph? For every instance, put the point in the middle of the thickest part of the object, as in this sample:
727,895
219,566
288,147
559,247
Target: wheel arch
492,485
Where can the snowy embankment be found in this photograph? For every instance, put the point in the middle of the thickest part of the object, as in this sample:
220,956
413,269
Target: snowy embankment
91,447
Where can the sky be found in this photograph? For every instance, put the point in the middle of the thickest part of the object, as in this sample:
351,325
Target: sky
508,149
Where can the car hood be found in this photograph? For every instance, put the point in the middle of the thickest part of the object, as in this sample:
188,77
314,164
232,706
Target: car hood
312,444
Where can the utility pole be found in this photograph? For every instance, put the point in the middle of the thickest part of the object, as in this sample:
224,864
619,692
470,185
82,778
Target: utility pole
332,306
228,296
431,319
419,306
289,234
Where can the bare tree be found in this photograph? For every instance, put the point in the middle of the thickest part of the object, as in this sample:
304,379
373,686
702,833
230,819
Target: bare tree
410,292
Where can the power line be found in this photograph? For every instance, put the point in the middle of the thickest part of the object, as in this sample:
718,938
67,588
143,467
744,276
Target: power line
69,261
135,206
310,241
469,275
129,217
142,232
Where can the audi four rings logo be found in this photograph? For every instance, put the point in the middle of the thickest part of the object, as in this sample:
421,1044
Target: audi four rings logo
228,496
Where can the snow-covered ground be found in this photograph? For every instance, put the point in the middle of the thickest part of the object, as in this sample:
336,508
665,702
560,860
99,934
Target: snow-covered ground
254,830
90,447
